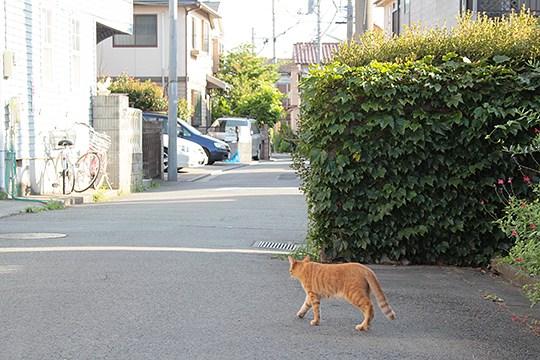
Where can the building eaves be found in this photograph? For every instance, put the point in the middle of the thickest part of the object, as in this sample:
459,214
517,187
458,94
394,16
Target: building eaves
306,53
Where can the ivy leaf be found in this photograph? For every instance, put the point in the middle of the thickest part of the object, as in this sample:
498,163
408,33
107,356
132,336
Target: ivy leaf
499,59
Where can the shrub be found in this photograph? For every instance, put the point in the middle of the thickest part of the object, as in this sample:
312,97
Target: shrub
284,140
147,96
515,37
394,157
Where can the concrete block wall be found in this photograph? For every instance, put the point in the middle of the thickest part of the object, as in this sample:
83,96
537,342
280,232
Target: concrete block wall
114,117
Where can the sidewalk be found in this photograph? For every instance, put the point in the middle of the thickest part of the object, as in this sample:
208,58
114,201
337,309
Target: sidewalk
9,207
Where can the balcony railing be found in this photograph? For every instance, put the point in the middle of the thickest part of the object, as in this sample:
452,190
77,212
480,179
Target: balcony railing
497,8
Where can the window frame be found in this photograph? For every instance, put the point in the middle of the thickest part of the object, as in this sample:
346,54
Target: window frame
47,52
133,37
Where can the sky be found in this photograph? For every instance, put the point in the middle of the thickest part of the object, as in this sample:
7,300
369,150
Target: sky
250,21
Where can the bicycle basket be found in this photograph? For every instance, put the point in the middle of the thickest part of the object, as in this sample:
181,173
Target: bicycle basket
99,141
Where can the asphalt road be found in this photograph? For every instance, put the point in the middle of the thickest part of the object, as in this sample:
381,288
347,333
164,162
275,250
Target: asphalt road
175,273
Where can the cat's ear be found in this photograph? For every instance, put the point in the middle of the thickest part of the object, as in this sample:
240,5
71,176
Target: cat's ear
291,260
306,259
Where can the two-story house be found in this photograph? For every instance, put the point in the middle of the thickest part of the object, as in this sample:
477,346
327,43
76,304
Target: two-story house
48,77
400,13
145,54
304,55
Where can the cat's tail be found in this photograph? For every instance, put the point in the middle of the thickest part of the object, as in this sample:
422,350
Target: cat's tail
375,286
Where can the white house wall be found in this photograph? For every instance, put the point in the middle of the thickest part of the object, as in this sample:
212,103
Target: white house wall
59,100
427,12
430,12
139,62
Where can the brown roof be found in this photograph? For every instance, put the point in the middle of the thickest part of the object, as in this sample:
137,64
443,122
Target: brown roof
306,53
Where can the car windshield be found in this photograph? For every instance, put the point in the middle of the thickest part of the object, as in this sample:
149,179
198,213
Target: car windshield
190,128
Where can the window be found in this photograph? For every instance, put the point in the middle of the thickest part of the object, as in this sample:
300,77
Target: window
75,54
195,33
395,19
46,46
206,37
144,33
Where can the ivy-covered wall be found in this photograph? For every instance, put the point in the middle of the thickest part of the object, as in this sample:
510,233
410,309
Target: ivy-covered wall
395,161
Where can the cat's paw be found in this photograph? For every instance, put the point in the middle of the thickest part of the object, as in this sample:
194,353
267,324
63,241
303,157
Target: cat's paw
301,315
362,327
314,322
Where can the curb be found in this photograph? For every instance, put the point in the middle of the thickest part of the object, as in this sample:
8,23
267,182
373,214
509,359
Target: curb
514,276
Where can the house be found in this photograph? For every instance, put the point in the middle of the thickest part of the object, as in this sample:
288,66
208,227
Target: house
145,54
305,55
400,13
48,77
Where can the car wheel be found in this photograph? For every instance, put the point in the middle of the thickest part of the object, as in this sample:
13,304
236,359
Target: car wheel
165,159
207,152
258,154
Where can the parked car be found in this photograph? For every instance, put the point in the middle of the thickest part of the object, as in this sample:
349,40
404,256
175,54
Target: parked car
215,149
226,129
188,153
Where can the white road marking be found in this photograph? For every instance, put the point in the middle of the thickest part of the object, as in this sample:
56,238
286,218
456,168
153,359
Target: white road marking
135,248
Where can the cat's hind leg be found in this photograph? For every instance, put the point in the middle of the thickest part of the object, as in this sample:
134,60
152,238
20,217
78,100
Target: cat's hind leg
305,308
366,307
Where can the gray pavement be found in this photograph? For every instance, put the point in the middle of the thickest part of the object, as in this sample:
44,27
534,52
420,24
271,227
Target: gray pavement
169,296
9,207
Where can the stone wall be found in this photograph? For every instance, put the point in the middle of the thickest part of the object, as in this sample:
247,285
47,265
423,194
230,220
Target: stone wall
114,117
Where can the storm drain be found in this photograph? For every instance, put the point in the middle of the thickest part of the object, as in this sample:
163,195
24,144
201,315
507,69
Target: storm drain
277,246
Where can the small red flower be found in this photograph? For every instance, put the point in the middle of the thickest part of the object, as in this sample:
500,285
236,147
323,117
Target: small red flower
526,179
518,260
536,130
522,204
509,180
482,202
533,226
514,233
500,181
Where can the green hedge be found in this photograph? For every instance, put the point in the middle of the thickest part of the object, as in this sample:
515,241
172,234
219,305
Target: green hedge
395,161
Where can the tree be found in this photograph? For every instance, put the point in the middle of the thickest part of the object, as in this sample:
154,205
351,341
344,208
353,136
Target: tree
253,92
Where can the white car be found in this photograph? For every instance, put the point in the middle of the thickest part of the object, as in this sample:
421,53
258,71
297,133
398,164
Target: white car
188,153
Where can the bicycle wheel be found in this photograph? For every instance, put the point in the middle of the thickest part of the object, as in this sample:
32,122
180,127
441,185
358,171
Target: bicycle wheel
50,183
87,168
103,173
68,178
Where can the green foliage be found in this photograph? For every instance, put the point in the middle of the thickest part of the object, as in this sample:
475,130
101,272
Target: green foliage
184,110
147,96
394,157
516,38
49,205
253,93
521,220
284,140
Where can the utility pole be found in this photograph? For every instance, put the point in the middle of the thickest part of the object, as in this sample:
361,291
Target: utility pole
364,16
319,44
350,19
273,32
172,173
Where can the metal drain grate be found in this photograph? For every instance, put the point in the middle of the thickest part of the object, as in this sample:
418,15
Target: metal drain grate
273,245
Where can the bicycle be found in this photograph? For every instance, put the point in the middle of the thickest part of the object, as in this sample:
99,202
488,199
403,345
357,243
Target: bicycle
67,169
91,166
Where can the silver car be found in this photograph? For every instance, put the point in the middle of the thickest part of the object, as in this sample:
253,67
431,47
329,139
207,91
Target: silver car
227,129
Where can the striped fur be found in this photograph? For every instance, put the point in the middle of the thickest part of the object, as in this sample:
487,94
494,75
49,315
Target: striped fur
352,281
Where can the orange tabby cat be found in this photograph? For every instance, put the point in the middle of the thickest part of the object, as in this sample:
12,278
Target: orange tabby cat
351,281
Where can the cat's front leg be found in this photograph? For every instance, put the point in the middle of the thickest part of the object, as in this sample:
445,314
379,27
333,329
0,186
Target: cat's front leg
315,303
305,308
